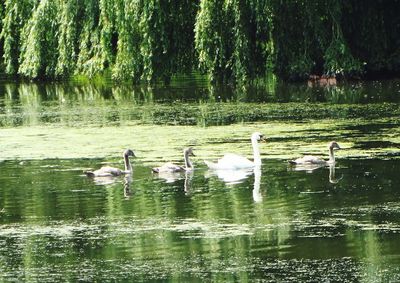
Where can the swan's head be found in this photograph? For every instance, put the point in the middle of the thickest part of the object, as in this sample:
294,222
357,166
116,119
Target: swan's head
258,137
129,152
334,145
189,151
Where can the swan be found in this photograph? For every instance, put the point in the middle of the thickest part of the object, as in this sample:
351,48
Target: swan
107,171
231,161
172,168
310,160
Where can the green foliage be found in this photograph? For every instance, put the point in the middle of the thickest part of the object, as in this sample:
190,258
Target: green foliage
372,29
129,61
232,41
338,58
16,13
323,48
1,29
211,39
68,38
90,58
39,50
155,44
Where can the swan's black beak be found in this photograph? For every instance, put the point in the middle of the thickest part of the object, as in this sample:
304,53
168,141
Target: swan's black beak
263,139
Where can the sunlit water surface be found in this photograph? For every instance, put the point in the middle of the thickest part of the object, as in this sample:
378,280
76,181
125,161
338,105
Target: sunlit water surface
338,224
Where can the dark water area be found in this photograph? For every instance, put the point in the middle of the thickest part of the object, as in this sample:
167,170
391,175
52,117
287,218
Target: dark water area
195,88
338,224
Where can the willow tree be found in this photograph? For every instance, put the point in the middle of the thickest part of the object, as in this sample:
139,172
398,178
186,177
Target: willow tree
309,39
263,48
129,61
16,14
1,29
229,40
91,58
166,44
68,47
155,43
211,40
39,52
233,39
180,30
372,29
338,57
242,53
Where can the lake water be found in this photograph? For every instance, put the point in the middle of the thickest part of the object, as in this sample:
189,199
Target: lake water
337,224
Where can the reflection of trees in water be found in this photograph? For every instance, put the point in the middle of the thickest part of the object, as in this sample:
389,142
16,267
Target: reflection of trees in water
105,103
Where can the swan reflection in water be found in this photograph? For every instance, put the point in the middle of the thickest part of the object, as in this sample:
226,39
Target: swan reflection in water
230,177
127,186
332,177
108,181
233,177
172,177
257,196
312,167
187,186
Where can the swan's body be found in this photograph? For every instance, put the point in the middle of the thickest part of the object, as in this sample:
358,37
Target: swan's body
313,160
231,161
107,171
172,168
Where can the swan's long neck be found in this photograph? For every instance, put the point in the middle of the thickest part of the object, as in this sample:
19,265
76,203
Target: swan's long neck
188,163
256,152
128,166
331,155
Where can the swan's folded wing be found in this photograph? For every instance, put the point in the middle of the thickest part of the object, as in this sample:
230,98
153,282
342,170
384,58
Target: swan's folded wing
170,167
107,171
234,161
309,159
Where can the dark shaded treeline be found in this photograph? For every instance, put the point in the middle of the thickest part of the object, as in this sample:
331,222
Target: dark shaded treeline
230,40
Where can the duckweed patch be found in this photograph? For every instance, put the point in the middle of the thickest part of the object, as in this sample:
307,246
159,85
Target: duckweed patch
210,114
285,140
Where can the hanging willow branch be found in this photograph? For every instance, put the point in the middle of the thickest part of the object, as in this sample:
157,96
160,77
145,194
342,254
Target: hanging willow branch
231,41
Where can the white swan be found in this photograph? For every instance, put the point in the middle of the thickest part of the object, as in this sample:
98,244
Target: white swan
107,171
315,161
232,161
172,168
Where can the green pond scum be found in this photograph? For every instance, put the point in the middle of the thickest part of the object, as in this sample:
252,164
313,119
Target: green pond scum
276,224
